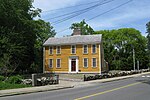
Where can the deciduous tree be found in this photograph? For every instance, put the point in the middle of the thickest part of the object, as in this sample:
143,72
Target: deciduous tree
85,28
119,45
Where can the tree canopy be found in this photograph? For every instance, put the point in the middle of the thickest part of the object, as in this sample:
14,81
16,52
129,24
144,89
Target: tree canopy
148,37
20,34
119,45
85,28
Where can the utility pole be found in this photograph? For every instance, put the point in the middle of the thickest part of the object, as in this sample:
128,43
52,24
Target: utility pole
133,59
138,65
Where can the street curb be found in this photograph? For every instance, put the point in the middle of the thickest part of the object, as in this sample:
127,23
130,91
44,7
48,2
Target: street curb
129,76
36,91
118,78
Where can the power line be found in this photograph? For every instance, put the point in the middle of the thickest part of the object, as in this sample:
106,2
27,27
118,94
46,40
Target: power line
101,14
72,6
74,14
110,10
80,12
66,14
63,30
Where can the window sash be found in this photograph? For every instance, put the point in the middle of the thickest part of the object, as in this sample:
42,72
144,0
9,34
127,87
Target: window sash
94,62
85,49
85,62
73,49
58,49
94,48
50,63
58,63
50,50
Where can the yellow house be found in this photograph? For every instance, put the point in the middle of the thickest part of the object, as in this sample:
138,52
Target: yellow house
74,54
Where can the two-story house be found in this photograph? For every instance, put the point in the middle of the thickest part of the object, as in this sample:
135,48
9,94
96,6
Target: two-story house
74,54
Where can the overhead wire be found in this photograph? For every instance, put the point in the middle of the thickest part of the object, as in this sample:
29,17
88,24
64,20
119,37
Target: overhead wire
77,13
102,13
66,14
109,10
89,3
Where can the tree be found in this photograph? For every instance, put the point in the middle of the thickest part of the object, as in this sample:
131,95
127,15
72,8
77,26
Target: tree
85,28
119,45
43,31
148,37
20,34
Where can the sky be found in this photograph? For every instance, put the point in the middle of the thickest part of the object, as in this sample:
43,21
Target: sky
134,14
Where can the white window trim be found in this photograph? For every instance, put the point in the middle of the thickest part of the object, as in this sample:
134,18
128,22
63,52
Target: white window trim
96,63
49,63
83,63
56,63
95,48
83,48
57,49
52,50
71,49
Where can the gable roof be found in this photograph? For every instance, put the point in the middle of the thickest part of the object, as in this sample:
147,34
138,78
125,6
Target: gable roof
76,39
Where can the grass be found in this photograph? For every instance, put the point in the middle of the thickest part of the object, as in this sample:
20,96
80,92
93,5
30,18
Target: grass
5,85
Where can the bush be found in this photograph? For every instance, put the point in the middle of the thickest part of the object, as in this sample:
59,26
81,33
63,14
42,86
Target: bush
2,78
15,79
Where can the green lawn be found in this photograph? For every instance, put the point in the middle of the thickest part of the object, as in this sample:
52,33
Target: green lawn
4,86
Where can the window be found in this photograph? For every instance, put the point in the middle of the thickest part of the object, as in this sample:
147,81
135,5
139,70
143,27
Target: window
51,50
85,62
73,49
94,48
93,62
85,49
50,63
58,50
58,63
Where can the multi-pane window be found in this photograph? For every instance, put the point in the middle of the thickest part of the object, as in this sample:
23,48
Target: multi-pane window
85,49
73,49
85,62
94,48
58,63
50,63
58,48
93,62
50,50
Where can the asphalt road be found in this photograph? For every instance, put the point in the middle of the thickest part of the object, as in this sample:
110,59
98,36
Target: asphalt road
137,88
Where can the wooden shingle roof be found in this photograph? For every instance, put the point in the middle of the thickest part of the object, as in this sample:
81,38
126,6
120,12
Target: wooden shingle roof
73,40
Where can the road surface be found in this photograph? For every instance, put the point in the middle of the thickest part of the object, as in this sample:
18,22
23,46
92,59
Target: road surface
137,88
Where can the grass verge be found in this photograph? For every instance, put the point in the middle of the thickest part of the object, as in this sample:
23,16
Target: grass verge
5,85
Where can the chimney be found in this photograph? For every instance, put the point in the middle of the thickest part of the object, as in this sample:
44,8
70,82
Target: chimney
77,31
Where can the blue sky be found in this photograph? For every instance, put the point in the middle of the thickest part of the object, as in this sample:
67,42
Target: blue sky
135,14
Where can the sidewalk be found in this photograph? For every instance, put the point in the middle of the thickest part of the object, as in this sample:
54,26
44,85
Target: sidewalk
62,85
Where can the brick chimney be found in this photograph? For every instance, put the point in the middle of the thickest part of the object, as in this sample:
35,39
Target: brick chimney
77,31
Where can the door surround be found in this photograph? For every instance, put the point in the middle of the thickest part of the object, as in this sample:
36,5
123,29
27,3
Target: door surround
71,59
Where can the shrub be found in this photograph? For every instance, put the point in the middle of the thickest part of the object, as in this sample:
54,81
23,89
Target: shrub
15,79
2,78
